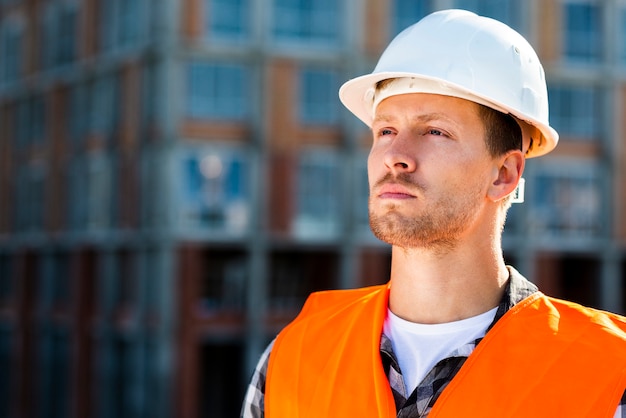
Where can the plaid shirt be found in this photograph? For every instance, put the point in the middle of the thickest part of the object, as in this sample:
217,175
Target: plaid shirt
418,403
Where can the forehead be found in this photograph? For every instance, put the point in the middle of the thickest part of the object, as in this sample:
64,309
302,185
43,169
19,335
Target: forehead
421,104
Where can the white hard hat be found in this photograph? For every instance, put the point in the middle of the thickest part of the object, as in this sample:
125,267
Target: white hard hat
458,53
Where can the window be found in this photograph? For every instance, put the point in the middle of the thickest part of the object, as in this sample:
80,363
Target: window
318,97
224,281
582,31
151,377
215,190
22,122
621,33
307,21
122,369
38,118
294,274
149,96
407,12
153,269
77,200
152,272
60,274
59,29
31,121
132,21
217,91
30,198
125,292
506,11
154,169
575,111
228,19
66,41
7,282
567,200
8,390
56,372
11,36
99,193
90,193
104,107
78,112
220,367
318,198
124,23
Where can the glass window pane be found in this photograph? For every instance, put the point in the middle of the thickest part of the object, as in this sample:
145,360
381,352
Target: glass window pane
317,195
7,378
77,200
99,192
131,22
621,34
220,365
310,21
293,275
153,208
215,190
217,91
407,12
224,282
78,111
575,111
7,281
29,204
61,273
318,97
506,11
11,37
126,278
67,35
582,31
104,105
108,24
228,19
567,201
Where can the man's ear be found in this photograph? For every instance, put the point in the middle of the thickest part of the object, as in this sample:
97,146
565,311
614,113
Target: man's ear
509,171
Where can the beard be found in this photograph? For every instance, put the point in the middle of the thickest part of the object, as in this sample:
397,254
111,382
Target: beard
438,225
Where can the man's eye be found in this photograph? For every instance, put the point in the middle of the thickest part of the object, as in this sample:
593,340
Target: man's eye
385,132
435,132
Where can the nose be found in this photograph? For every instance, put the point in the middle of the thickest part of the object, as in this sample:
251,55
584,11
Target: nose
399,156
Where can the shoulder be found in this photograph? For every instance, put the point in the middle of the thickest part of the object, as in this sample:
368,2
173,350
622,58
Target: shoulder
332,299
592,332
594,319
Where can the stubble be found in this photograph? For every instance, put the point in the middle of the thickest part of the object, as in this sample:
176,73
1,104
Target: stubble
436,226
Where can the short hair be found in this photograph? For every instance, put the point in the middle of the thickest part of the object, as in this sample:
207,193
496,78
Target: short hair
502,132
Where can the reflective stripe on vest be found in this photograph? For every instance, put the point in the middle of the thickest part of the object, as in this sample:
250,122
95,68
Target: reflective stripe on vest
543,358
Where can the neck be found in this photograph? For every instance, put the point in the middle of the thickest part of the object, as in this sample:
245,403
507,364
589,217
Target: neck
430,287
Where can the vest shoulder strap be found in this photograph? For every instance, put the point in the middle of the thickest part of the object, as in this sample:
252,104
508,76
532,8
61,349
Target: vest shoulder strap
326,363
543,358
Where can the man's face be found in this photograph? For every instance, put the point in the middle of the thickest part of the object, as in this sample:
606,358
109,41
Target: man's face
429,170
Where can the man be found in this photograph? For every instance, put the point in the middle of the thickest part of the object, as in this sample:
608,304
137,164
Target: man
456,104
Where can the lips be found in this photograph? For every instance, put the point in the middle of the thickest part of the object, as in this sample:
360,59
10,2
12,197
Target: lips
394,191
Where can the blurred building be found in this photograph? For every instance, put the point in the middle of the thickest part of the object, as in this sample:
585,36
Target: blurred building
177,175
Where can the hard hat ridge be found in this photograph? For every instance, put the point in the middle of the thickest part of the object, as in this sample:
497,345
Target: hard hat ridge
461,54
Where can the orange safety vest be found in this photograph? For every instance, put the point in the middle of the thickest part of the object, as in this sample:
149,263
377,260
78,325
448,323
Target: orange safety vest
544,358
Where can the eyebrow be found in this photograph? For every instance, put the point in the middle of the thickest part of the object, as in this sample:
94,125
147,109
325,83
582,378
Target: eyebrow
387,117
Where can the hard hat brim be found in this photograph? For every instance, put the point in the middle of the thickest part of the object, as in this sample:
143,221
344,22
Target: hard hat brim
357,95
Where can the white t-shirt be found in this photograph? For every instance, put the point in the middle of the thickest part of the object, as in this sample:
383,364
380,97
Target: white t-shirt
419,347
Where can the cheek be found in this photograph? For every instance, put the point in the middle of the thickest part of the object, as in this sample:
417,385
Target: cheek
371,158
